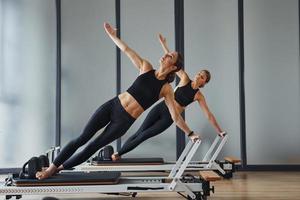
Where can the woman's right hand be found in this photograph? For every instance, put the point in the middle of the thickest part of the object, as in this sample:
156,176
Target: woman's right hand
194,137
110,30
222,134
162,39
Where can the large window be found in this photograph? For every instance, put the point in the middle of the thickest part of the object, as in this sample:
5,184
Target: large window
28,72
211,42
88,62
272,81
141,21
27,80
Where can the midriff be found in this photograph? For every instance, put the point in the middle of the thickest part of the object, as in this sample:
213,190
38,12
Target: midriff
134,108
130,105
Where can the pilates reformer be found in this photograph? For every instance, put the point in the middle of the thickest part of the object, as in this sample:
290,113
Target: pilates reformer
193,187
224,168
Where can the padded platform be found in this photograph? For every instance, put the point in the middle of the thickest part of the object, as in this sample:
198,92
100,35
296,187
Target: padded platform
131,161
72,178
232,159
209,176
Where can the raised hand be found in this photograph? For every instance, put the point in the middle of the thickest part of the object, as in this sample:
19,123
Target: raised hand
162,39
163,43
109,29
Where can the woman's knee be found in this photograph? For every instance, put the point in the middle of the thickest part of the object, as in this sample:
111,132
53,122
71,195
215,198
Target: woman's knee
92,148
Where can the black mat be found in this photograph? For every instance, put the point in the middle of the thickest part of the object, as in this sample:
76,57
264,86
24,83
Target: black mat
72,178
131,161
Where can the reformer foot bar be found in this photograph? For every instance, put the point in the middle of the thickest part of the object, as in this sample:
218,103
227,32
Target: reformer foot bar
209,162
194,187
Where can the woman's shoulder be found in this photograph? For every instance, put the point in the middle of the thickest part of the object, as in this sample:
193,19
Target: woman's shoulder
199,95
147,67
184,82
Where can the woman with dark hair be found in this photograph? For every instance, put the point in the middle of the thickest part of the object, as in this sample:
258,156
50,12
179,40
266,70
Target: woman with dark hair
159,118
119,113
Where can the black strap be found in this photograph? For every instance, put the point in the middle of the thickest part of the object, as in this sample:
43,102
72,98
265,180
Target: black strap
191,133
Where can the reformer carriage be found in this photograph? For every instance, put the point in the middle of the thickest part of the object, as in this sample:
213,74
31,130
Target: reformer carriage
87,178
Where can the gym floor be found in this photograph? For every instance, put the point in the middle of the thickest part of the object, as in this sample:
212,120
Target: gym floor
244,185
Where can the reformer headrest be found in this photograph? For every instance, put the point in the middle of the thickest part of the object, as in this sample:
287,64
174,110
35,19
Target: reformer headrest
104,154
34,164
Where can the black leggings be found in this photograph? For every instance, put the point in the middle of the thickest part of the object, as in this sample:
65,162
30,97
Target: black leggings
157,120
112,114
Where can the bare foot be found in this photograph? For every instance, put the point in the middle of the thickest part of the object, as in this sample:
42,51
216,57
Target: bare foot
61,167
43,175
44,168
115,157
47,173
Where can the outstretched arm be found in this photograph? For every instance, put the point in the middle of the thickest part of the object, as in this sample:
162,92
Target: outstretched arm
163,43
169,100
142,64
211,118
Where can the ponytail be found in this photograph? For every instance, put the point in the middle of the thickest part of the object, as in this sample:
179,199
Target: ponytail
170,77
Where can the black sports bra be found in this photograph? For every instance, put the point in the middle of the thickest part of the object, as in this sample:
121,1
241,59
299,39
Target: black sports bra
185,95
146,89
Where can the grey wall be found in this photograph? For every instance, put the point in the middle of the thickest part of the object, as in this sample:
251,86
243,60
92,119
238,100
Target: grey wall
88,62
1,49
28,72
271,42
27,99
211,42
141,21
272,81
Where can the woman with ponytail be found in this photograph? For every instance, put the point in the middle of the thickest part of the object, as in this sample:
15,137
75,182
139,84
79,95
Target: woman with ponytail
119,113
159,118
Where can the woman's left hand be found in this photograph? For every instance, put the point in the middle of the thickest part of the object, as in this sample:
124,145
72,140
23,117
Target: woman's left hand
222,134
162,39
194,137
110,30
